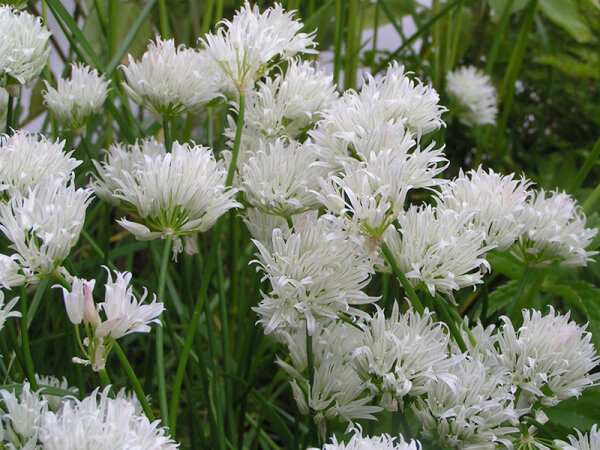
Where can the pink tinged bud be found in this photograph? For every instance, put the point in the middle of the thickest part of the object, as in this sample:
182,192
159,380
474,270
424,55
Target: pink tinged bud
76,360
74,300
99,361
90,313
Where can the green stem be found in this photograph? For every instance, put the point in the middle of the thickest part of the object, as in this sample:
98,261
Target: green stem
160,356
9,114
337,40
207,16
591,200
137,387
167,131
25,341
104,379
164,19
498,38
238,138
518,301
587,166
447,318
412,295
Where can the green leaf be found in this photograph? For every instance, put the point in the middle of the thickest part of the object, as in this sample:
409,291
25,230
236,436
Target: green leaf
569,65
506,264
590,300
564,14
502,296
498,7
566,292
581,413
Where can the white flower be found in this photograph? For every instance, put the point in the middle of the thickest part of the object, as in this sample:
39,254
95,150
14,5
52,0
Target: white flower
315,272
6,310
280,178
177,194
101,422
54,401
583,441
379,442
27,160
436,250
23,415
24,46
474,95
44,224
77,98
247,46
10,269
556,232
78,299
549,357
170,80
403,355
261,225
124,313
478,410
498,204
288,104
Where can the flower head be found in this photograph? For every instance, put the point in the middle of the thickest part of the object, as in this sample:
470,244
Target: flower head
315,272
549,357
6,311
27,160
437,250
474,95
77,98
246,47
24,46
556,232
176,194
583,441
23,415
498,204
44,224
379,442
170,80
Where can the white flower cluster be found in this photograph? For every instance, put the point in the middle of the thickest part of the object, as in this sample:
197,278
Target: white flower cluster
76,99
178,194
246,47
316,271
473,95
583,441
170,80
24,47
124,313
98,421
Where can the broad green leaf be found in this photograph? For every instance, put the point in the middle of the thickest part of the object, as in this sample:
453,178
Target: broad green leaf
498,7
506,264
566,292
581,413
590,299
564,14
569,65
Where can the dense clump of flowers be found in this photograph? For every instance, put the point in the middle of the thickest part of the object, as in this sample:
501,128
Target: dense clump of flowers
380,442
77,98
473,95
24,47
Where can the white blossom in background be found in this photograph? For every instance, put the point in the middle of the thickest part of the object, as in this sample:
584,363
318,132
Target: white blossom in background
549,357
437,250
27,160
177,194
246,47
171,80
22,416
122,314
44,224
315,272
119,159
474,95
583,441
403,355
498,204
477,412
378,442
24,47
280,178
54,401
6,311
556,232
77,98
10,272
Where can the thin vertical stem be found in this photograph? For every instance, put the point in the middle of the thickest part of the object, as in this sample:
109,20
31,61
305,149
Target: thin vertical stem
164,19
519,297
25,341
412,295
160,357
9,114
447,318
238,138
167,132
